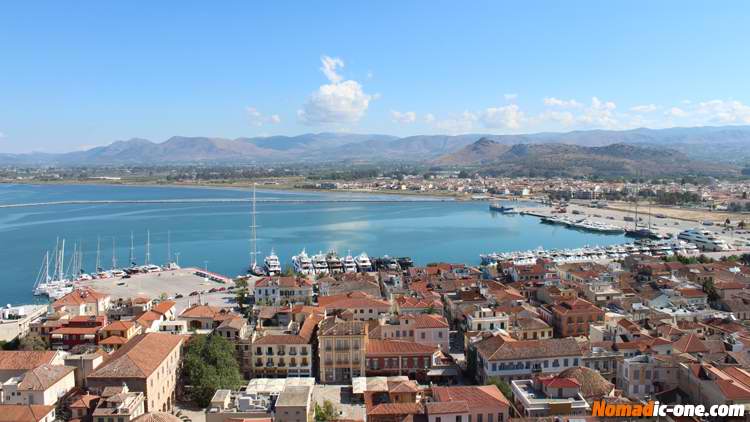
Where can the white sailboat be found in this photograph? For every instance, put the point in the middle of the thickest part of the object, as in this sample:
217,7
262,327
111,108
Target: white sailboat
56,285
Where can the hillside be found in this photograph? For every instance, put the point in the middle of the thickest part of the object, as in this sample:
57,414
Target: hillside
704,144
574,160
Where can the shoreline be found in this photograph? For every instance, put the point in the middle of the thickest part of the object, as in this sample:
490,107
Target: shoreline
261,187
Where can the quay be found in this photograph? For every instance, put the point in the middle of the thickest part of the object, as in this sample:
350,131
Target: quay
224,200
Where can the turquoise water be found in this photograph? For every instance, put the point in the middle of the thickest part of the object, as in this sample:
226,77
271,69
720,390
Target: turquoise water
219,232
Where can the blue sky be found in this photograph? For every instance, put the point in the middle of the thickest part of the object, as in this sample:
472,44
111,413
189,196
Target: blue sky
85,73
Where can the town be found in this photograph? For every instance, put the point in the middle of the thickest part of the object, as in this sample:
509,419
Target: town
493,343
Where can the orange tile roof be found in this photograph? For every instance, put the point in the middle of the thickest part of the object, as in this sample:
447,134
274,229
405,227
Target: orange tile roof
139,357
163,307
113,340
427,321
690,343
398,348
447,407
119,326
24,413
475,396
24,360
79,297
396,409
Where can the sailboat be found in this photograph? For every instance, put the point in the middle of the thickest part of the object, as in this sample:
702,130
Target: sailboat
254,269
56,285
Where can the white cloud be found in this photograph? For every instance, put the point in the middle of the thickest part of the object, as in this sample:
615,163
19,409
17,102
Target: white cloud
510,97
406,117
599,114
2,135
677,112
339,102
258,119
721,111
461,123
329,68
429,118
565,119
645,108
507,117
556,102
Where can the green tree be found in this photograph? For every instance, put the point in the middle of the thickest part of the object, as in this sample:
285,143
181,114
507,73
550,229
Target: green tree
326,413
288,271
32,342
502,386
241,293
710,290
210,365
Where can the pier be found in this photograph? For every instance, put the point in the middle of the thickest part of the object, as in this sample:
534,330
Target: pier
223,201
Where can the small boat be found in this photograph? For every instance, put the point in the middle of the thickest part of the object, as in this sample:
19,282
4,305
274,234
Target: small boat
364,265
497,207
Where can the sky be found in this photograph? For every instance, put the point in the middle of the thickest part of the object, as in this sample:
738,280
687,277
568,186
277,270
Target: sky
74,75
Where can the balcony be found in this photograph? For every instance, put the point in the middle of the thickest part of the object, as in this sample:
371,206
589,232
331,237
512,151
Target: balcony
281,353
292,353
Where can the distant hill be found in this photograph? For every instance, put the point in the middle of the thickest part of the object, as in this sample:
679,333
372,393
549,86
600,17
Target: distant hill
729,144
574,160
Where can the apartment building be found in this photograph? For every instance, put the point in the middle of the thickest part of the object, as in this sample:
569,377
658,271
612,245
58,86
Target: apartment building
148,363
342,346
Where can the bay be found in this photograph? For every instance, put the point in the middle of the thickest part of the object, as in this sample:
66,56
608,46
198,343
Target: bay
216,235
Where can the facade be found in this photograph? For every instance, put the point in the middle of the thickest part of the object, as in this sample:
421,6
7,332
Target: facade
509,359
83,301
204,317
572,318
117,333
118,403
42,385
294,404
646,375
149,363
486,319
285,355
552,396
362,306
79,330
426,329
341,348
15,321
284,290
398,357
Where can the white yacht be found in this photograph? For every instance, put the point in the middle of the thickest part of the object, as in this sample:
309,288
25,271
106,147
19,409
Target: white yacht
362,261
272,265
349,265
704,239
303,264
334,262
319,263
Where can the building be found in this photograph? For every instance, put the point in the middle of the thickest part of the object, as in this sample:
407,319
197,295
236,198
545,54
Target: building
15,320
549,396
645,375
427,329
117,333
83,301
15,363
27,413
398,357
468,403
118,403
205,317
79,330
508,359
294,404
531,328
45,384
148,363
278,290
362,306
341,348
84,364
571,318
285,354
486,319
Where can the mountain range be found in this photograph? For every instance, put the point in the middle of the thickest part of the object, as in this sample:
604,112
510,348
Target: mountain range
700,148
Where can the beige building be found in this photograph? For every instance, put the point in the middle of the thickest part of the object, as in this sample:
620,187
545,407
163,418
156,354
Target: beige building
285,354
118,403
15,321
341,348
83,301
148,363
42,385
426,329
294,404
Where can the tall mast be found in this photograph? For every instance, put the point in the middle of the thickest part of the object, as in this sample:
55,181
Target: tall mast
114,255
98,254
169,247
56,271
62,260
253,227
148,247
132,250
46,267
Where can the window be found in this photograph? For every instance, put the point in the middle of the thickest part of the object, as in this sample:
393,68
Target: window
422,335
440,334
489,417
479,417
458,418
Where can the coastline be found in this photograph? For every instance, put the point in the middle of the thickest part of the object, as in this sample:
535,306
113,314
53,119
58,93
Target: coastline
265,187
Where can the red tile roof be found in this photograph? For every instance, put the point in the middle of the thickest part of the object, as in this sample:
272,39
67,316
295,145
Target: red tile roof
24,360
690,343
139,357
79,297
398,348
397,409
24,413
475,396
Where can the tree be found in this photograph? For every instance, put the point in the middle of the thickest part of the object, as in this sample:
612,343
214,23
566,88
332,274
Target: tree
502,386
288,271
710,290
32,342
326,413
210,365
241,293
